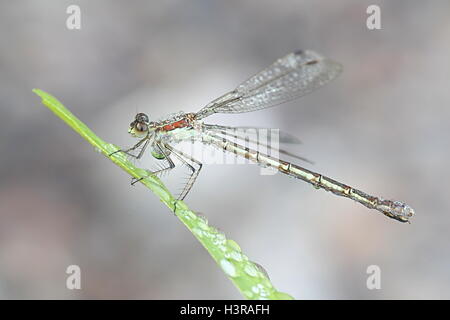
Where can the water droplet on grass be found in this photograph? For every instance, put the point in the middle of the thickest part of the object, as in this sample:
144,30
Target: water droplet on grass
228,267
251,270
234,245
260,290
191,215
261,269
237,256
203,225
198,232
202,217
219,239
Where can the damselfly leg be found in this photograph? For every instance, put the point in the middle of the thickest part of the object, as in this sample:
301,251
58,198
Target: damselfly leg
144,143
168,164
185,159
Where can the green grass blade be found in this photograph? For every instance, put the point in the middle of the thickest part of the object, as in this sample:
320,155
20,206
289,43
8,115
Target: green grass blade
247,277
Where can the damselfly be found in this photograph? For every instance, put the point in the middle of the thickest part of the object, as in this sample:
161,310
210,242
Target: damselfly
288,78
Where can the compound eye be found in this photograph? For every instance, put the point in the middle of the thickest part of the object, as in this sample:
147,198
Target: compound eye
141,127
142,117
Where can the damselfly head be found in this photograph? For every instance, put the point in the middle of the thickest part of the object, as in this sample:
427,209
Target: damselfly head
140,126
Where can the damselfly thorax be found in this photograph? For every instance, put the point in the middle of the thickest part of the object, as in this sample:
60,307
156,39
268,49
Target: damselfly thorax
288,78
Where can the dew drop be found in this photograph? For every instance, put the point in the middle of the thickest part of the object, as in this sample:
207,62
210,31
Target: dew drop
237,256
251,270
213,230
228,267
203,225
261,291
261,269
191,215
202,217
234,245
198,232
218,241
220,237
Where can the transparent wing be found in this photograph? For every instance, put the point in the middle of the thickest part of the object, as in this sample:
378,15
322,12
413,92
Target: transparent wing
251,135
288,78
283,137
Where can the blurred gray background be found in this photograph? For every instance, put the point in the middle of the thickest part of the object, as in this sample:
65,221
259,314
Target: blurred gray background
382,126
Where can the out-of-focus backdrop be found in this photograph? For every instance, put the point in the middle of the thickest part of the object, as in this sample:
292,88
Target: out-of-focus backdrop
382,126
